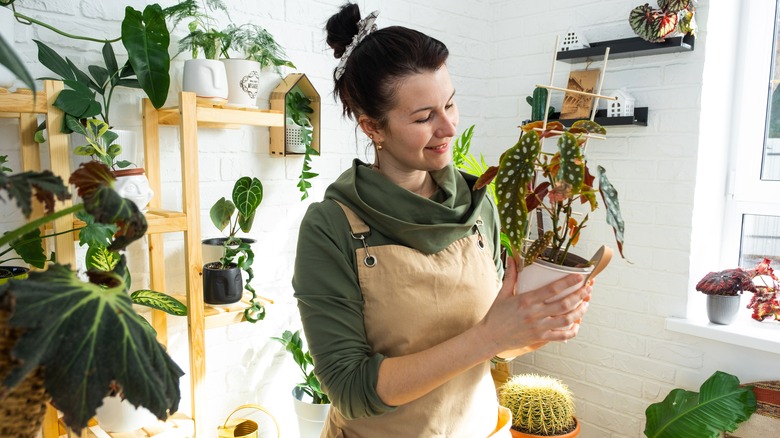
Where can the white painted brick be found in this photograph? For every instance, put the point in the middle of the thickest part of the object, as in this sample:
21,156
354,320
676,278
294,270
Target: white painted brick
639,366
673,353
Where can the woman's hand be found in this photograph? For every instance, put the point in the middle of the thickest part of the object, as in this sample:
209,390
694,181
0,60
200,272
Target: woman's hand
521,323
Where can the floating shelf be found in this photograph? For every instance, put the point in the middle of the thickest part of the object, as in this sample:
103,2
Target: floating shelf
628,47
638,119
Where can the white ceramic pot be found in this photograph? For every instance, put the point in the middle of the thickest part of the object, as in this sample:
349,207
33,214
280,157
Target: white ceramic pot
293,136
722,309
541,273
117,415
133,185
243,77
311,417
206,78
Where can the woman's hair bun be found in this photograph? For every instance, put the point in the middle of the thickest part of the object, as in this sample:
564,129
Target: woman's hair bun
342,27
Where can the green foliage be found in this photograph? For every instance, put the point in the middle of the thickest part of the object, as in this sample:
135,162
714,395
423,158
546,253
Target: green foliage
10,60
146,39
566,181
256,44
719,406
540,405
85,335
100,142
311,385
298,109
234,215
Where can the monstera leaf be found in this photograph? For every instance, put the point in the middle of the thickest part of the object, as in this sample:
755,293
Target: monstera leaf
88,338
719,406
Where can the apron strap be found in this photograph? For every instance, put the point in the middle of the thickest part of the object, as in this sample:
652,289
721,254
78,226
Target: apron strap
359,231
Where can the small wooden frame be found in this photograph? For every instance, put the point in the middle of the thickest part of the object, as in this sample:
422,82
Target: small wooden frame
278,100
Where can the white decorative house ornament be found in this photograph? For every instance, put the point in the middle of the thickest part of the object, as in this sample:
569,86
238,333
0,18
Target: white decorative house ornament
622,106
573,40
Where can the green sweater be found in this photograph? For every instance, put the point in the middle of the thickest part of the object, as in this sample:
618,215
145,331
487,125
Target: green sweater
326,282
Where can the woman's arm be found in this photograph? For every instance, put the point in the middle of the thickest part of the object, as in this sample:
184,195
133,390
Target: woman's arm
516,323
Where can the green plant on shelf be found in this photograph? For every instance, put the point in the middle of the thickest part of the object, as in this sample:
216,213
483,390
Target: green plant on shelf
298,111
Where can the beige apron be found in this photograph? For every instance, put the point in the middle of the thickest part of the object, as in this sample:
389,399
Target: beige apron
413,301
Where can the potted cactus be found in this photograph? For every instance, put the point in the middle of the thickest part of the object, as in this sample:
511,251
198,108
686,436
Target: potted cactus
540,405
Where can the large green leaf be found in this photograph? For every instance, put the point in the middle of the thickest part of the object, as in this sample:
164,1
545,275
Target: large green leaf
146,38
95,233
30,249
88,337
10,60
53,61
515,173
247,196
719,406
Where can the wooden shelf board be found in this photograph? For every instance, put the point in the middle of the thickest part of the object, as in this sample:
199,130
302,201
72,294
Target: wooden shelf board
229,314
21,101
628,47
638,119
178,425
218,116
158,221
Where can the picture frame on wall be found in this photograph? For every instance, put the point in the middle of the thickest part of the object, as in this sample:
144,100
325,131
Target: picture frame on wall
575,105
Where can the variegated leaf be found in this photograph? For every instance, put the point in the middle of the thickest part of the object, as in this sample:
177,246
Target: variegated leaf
673,6
614,218
159,301
587,126
515,173
572,170
645,22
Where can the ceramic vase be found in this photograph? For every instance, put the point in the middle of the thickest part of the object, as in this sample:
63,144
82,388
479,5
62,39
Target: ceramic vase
311,417
243,78
118,415
132,184
206,78
722,309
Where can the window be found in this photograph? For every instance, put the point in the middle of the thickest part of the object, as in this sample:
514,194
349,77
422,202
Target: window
752,223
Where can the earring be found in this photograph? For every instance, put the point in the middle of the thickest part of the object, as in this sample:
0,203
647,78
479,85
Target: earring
378,146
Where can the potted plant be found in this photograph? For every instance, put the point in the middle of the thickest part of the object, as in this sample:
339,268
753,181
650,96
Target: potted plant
249,77
718,407
671,18
554,186
145,37
222,278
540,406
298,135
313,411
131,183
764,302
69,340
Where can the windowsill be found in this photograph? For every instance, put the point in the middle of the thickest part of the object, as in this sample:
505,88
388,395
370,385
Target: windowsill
764,336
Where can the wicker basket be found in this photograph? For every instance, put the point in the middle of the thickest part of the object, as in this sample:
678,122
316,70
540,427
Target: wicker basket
23,407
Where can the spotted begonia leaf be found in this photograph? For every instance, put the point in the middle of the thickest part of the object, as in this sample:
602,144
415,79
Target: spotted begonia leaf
610,196
572,165
515,173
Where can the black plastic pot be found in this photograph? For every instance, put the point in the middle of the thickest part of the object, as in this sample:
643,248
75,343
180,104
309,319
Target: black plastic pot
222,286
15,272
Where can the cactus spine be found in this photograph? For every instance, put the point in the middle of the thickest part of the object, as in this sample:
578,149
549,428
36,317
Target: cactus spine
540,405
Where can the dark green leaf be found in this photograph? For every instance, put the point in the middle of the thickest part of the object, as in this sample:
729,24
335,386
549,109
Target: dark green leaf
44,185
159,301
109,58
94,233
79,101
54,62
247,196
10,60
88,337
572,169
146,38
30,248
100,74
719,406
82,77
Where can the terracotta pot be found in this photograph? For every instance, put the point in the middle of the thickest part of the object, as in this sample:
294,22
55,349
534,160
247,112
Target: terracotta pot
572,434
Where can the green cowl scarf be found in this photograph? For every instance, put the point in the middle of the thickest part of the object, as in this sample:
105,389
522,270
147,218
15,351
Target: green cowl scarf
428,225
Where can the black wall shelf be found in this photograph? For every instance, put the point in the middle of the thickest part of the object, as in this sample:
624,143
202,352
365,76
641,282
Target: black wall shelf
638,119
628,47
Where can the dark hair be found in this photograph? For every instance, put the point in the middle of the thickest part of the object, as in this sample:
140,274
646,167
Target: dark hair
378,63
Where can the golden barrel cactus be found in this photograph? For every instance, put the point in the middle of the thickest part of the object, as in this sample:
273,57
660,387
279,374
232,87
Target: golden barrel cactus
540,405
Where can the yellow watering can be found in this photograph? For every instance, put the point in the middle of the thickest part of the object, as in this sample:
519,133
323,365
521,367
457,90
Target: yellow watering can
243,427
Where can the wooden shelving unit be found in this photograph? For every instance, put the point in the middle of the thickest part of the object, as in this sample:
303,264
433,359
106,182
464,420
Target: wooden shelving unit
627,47
189,115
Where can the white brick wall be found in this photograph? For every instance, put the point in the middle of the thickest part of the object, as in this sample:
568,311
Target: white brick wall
623,359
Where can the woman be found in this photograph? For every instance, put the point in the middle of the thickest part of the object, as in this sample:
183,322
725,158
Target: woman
397,273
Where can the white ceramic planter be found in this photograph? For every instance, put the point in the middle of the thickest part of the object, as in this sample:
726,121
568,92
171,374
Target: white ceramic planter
206,78
311,417
133,185
722,309
117,415
541,273
243,78
293,136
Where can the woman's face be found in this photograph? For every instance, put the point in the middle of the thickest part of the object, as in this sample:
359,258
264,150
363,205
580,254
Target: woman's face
420,128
